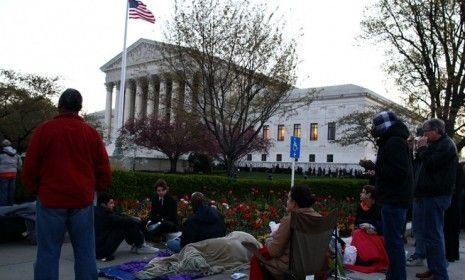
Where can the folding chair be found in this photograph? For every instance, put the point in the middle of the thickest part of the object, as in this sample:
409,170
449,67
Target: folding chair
309,242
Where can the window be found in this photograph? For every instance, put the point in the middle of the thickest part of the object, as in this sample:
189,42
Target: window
249,157
297,130
329,158
263,157
266,132
281,132
332,131
279,157
313,131
311,157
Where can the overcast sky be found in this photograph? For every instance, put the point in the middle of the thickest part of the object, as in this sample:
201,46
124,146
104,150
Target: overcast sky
74,38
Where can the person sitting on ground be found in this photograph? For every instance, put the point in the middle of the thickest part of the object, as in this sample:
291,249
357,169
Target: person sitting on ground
112,228
205,222
276,249
367,235
163,214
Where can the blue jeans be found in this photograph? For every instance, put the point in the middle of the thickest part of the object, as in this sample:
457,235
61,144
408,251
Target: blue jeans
51,225
418,220
7,191
174,245
432,209
394,218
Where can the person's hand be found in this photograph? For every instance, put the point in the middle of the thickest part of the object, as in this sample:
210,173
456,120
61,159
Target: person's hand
422,142
367,164
364,226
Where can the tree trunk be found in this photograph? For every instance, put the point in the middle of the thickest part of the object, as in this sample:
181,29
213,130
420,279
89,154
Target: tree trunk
173,164
230,166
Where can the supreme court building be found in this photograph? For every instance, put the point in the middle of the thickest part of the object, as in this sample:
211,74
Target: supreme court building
149,89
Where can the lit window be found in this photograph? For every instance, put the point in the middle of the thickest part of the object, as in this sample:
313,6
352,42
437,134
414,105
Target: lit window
311,158
281,132
263,157
297,130
279,157
331,131
266,132
249,157
329,158
313,131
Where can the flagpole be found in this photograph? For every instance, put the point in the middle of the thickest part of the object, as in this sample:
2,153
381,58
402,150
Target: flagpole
123,72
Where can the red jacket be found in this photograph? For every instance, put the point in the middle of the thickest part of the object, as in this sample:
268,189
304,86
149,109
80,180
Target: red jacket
66,162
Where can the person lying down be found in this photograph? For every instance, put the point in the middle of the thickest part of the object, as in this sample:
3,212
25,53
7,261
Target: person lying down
207,257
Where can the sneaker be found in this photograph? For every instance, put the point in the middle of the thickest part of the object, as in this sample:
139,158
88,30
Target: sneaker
414,260
144,249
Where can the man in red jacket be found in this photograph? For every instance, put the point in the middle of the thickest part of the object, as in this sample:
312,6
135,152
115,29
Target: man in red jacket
66,163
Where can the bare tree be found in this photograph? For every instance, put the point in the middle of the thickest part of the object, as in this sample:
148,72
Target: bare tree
426,55
355,127
236,65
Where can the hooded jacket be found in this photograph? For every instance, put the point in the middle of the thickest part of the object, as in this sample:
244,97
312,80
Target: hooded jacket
393,172
438,168
10,162
205,223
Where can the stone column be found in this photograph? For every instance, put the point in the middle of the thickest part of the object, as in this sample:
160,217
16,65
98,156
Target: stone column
109,87
177,100
116,112
128,101
152,96
174,98
162,96
140,105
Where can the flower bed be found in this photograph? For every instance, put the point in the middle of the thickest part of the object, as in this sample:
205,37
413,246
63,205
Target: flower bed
252,212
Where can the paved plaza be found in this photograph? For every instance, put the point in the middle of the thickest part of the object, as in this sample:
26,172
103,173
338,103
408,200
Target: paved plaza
17,258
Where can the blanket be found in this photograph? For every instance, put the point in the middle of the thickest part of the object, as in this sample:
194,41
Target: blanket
371,254
211,256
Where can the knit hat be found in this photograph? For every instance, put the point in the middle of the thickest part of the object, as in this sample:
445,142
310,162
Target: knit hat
382,121
6,142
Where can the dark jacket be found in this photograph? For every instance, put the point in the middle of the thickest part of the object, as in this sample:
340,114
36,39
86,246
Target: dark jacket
205,223
106,221
372,216
438,168
393,172
166,212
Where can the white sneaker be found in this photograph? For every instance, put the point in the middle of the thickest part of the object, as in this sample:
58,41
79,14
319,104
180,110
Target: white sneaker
414,260
144,249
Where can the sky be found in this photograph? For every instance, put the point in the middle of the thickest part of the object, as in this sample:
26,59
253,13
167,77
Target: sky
72,39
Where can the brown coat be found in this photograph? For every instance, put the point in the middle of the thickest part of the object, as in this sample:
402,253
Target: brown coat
278,246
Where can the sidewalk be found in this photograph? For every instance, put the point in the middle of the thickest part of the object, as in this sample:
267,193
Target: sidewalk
17,258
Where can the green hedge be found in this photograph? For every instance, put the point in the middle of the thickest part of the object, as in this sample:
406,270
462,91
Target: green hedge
139,185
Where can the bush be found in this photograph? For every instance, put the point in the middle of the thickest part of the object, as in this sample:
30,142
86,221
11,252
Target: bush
139,185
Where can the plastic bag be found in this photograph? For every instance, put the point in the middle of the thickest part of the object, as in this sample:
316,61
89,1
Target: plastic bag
273,226
350,255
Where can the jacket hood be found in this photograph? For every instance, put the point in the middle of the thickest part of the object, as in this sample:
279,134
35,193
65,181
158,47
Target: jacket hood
9,150
399,129
206,214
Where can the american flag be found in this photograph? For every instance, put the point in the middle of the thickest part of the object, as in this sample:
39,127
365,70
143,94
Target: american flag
137,9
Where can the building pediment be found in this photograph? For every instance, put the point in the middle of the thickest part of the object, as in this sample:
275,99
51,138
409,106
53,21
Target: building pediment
142,51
